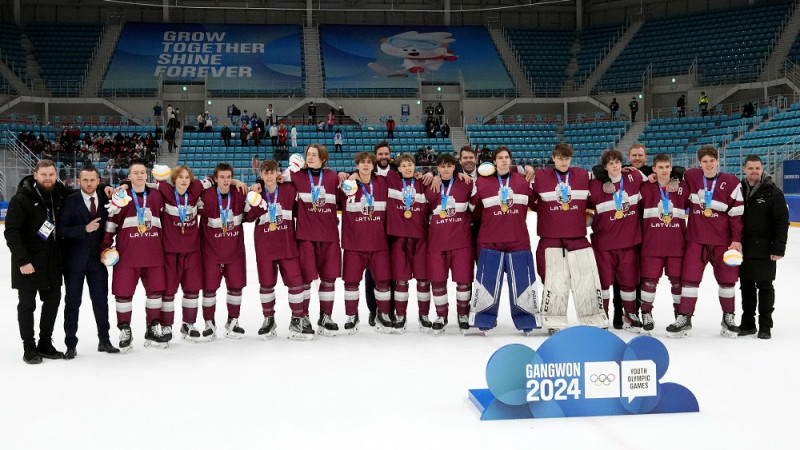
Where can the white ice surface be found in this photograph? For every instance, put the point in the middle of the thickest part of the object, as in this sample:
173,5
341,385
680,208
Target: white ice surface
378,391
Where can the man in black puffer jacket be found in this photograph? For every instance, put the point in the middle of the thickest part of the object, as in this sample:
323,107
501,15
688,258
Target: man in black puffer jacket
766,224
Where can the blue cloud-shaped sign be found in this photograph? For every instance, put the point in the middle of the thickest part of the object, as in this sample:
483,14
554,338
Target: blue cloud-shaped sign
580,371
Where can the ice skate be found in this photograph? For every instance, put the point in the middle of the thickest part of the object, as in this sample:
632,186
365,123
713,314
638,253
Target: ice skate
125,338
729,328
424,324
326,326
268,328
438,325
463,323
383,323
351,325
400,324
681,328
210,333
189,333
153,337
232,329
166,331
300,329
631,322
647,323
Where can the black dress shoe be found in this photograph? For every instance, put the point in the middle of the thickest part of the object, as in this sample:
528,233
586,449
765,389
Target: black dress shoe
747,331
371,319
764,333
71,353
46,350
107,347
31,356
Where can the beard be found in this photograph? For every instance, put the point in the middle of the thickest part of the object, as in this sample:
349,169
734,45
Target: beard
383,163
45,188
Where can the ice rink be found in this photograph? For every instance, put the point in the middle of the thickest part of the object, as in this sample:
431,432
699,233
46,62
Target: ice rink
378,391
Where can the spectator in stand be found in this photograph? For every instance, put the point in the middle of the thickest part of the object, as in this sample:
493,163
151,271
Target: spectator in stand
157,112
170,137
225,133
439,111
340,115
430,127
293,135
703,103
273,135
748,110
255,165
201,122
243,132
245,118
283,134
320,126
613,107
159,133
431,153
312,113
270,115
681,104
337,141
634,106
429,111
390,128
235,111
331,120
446,130
209,124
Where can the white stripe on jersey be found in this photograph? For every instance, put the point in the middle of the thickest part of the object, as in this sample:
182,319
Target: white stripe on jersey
519,199
715,204
611,205
330,199
356,207
111,227
460,207
736,211
286,214
133,222
173,210
216,222
653,212
398,195
576,194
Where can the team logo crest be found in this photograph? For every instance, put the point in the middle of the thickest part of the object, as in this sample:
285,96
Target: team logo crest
509,197
626,201
662,215
701,195
321,199
365,209
560,194
148,219
450,207
409,191
278,214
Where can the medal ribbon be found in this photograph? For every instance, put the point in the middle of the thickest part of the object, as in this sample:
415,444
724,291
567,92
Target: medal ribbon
407,195
564,186
370,197
504,189
140,210
664,199
446,194
182,209
618,193
273,205
224,213
314,189
709,194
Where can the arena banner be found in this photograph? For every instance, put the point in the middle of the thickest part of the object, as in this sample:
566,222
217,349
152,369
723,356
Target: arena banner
232,56
393,56
580,371
791,176
3,212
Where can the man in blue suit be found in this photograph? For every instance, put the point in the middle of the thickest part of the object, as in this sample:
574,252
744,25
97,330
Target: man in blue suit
81,227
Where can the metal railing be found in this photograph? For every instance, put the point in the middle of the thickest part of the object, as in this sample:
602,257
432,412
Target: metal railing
772,102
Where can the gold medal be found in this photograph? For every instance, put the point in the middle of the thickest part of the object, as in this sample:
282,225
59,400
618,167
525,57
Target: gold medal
273,226
619,214
667,219
407,214
565,206
504,207
707,212
182,229
224,230
142,228
443,214
314,207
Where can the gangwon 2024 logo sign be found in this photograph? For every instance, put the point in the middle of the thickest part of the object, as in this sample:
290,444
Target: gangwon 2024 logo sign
580,371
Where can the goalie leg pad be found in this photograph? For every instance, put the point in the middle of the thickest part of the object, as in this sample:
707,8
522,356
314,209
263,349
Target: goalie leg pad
556,289
586,289
488,283
521,277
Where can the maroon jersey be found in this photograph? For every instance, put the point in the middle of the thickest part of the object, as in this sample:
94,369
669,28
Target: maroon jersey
451,232
222,243
663,226
727,205
360,230
397,224
175,240
279,243
553,221
609,230
497,225
137,249
320,224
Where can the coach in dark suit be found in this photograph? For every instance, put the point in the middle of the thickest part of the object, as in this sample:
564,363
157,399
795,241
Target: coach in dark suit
81,228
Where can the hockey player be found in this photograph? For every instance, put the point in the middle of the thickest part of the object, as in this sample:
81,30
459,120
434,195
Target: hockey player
222,245
502,201
663,230
136,228
564,257
616,233
363,205
715,225
317,231
276,247
450,243
407,227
